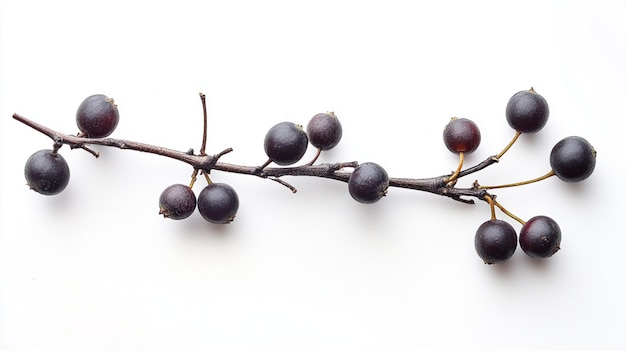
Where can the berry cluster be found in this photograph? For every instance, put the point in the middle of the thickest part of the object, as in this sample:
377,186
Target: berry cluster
572,160
285,144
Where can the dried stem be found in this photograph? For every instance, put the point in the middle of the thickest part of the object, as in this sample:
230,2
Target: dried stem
337,171
205,124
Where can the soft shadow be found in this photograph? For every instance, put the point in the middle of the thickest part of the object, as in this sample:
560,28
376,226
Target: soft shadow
537,264
196,228
504,270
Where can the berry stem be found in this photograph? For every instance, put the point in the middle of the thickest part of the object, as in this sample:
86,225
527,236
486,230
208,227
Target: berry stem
194,177
317,155
263,166
206,176
534,180
456,173
56,146
505,211
492,207
506,148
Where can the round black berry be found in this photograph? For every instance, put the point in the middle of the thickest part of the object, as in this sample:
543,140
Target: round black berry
495,241
540,237
177,202
47,172
527,111
461,135
218,203
97,116
324,131
368,183
573,159
286,143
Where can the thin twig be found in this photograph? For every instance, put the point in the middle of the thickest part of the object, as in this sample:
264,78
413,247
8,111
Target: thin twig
204,129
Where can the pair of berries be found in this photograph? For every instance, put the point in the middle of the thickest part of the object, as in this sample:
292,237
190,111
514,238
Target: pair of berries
496,240
286,142
46,171
217,202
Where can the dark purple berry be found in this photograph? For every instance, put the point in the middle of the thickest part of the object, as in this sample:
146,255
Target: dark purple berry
177,202
368,183
218,203
540,237
97,116
324,131
47,172
573,159
495,241
527,111
461,135
286,143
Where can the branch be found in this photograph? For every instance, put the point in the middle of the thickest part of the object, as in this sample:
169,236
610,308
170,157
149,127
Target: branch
336,171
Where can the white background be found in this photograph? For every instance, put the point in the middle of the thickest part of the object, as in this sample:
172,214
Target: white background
96,268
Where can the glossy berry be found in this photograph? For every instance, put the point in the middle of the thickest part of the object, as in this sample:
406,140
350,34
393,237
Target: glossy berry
286,143
218,203
368,183
495,241
527,111
177,202
573,159
540,237
97,116
461,135
47,172
324,131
